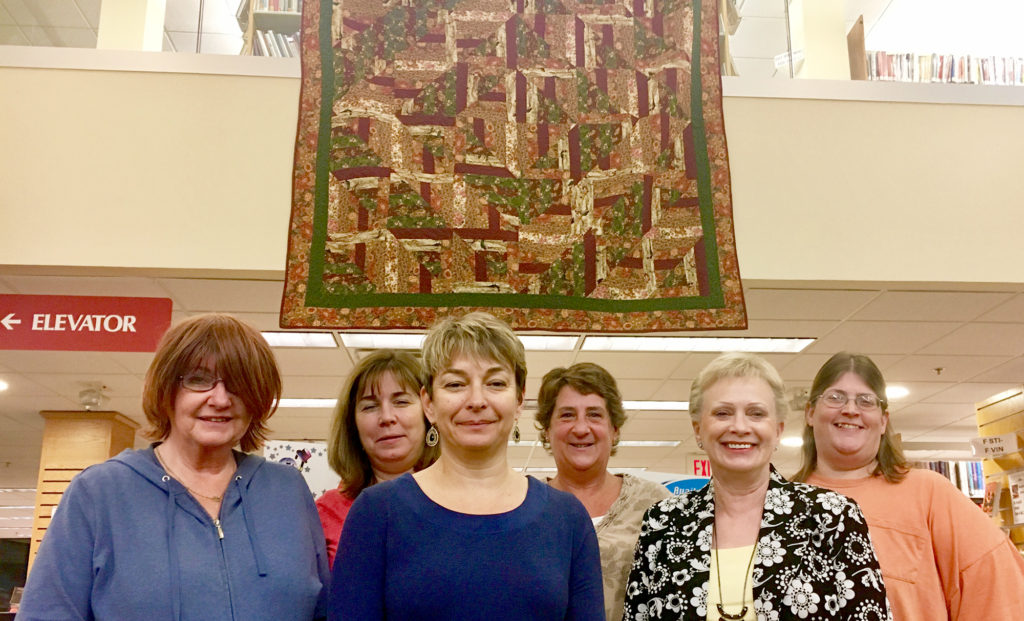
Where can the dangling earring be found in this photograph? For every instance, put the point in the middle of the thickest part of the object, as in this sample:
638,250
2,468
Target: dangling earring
432,436
700,445
516,436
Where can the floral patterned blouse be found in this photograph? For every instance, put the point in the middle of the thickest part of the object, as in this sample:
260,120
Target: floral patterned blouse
814,558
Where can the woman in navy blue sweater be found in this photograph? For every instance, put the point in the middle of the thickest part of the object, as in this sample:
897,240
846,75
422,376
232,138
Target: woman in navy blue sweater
468,538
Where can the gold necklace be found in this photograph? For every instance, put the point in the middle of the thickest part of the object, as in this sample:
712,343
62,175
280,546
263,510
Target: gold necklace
718,574
179,480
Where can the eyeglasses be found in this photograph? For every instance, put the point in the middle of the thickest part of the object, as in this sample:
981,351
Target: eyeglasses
200,381
836,399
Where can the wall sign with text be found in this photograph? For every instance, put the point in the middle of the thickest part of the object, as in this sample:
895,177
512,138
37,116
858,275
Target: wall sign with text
82,323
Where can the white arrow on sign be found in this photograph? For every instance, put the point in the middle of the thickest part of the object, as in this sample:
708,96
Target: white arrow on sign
9,321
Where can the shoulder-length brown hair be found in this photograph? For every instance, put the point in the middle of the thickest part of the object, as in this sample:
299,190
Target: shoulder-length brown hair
891,463
229,347
345,452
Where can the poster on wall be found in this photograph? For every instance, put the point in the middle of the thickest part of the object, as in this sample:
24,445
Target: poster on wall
1015,480
562,166
309,458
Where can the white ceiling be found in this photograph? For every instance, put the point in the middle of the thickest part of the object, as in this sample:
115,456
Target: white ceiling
75,23
974,334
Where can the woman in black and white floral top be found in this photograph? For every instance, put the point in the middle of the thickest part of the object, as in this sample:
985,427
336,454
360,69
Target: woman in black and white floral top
776,550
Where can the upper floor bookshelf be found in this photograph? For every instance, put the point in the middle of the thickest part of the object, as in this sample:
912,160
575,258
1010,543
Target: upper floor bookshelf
270,27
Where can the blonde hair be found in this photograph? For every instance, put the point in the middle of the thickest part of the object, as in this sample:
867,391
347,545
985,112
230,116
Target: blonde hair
239,355
477,334
737,364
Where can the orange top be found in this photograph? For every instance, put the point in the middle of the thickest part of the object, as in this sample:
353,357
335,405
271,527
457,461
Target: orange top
941,557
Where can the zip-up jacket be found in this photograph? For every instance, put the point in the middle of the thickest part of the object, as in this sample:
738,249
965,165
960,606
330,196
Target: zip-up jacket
129,542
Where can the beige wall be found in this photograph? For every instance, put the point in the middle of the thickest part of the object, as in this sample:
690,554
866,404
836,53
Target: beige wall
192,172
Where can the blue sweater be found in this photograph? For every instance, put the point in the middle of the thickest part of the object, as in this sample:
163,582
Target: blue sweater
127,542
403,556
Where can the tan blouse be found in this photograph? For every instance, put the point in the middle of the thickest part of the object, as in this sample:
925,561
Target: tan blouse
617,534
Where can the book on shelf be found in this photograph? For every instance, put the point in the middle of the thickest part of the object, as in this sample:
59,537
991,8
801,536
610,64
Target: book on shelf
287,6
275,44
945,68
967,476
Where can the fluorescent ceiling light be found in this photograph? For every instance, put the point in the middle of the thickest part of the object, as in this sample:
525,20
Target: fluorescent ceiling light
657,406
548,343
629,443
392,340
792,441
695,344
18,490
4,385
381,340
300,339
531,469
307,403
896,392
18,507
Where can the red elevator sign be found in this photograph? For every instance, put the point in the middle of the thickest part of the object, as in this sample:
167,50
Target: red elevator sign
82,323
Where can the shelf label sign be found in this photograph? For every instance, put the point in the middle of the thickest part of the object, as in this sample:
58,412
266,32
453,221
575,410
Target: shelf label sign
994,446
82,323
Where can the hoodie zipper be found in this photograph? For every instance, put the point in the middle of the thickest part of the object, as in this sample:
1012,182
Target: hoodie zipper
220,531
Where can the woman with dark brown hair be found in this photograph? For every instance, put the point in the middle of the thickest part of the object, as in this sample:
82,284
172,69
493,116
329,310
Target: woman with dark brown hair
941,557
378,433
189,528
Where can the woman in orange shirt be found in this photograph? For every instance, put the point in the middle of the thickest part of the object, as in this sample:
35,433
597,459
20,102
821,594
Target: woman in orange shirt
941,557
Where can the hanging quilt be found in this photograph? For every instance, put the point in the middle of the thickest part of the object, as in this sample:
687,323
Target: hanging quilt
560,164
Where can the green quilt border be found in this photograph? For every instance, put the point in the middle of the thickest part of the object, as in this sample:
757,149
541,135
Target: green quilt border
317,296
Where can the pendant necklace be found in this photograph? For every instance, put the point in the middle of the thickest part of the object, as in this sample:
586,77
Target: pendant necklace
718,574
179,480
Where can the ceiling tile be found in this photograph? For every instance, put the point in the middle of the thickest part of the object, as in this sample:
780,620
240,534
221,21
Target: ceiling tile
981,339
60,362
12,35
136,363
313,386
638,389
86,285
91,10
632,365
960,432
673,390
758,68
881,337
538,363
927,416
953,368
1012,371
21,12
690,365
226,296
23,385
800,371
759,37
182,15
218,43
1012,310
68,385
762,8
805,303
5,16
312,361
929,306
50,13
969,392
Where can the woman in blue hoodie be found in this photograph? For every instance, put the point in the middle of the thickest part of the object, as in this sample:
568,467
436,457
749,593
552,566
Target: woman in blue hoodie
189,528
